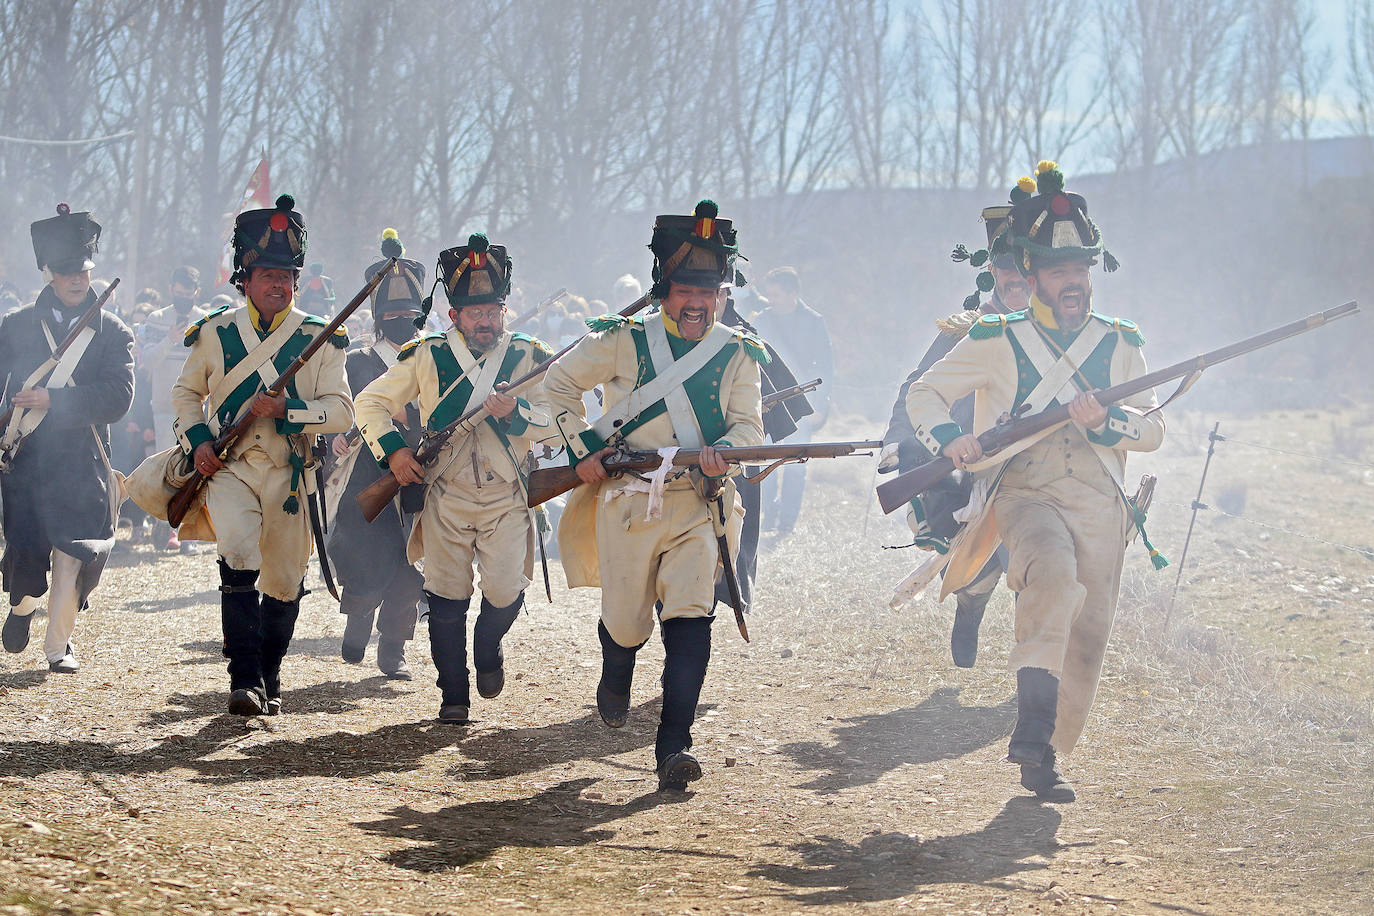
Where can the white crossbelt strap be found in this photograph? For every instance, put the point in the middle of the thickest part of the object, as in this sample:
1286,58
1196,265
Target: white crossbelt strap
666,386
26,420
1056,375
258,360
486,367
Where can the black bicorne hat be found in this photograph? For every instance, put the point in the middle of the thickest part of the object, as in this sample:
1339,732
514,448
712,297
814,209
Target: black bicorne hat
696,250
1052,227
402,290
67,242
269,238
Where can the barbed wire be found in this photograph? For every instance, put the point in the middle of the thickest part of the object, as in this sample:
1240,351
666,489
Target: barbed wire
1281,451
1366,552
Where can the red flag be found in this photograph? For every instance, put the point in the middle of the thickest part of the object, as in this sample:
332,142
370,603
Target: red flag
255,196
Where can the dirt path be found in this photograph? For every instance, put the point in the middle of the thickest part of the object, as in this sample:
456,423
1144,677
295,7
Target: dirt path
848,763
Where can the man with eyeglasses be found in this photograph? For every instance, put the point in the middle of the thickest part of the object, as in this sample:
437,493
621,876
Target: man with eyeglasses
475,503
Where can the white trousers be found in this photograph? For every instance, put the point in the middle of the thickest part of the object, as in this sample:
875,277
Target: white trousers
62,605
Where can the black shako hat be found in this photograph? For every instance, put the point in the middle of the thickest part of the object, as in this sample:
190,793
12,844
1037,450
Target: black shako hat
995,222
402,289
317,292
1052,227
269,238
477,273
65,243
696,250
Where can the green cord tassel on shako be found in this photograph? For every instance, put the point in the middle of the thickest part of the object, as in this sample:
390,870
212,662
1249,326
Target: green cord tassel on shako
292,506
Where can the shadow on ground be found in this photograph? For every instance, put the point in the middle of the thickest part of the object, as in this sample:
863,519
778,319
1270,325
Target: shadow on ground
176,603
885,866
865,748
511,752
331,697
456,836
210,652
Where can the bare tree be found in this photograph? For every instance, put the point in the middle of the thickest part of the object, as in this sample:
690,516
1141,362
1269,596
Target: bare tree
867,71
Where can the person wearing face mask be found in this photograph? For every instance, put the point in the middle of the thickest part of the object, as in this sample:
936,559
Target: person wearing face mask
377,580
1056,501
474,502
931,515
255,499
59,490
162,357
673,378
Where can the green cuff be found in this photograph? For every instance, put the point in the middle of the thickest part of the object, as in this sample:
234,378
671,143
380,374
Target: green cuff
946,433
1108,437
591,442
516,424
285,426
198,434
390,442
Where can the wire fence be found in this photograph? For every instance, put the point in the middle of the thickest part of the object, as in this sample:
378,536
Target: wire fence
1282,451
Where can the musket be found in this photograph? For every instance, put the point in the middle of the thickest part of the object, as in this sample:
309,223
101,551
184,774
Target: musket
52,361
181,503
786,394
538,310
373,499
546,483
902,489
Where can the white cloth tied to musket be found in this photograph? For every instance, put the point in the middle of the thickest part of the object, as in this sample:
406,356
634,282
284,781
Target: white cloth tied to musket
654,484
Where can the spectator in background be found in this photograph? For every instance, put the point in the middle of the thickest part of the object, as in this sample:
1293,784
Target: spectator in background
626,290
316,295
798,333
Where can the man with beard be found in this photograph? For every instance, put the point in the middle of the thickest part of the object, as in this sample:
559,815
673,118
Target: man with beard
1056,501
674,378
931,516
255,496
162,357
59,490
370,559
475,502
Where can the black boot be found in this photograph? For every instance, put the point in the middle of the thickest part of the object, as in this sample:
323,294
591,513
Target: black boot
1046,781
968,616
617,672
241,620
448,644
687,650
278,626
15,633
1037,701
492,623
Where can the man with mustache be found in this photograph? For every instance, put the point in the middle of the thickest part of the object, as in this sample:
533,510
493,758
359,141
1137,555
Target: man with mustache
931,515
59,491
1056,501
673,378
377,580
255,497
475,501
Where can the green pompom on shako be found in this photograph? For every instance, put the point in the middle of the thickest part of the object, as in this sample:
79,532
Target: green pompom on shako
1053,226
697,250
478,273
997,254
403,289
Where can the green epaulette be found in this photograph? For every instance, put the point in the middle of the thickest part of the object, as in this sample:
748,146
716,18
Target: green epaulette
1128,329
340,336
993,325
753,345
543,349
609,322
410,346
193,332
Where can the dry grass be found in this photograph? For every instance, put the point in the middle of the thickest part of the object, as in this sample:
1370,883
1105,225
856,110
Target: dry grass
1227,768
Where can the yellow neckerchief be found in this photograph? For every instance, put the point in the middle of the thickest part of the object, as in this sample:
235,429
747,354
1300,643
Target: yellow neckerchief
1043,314
256,317
671,325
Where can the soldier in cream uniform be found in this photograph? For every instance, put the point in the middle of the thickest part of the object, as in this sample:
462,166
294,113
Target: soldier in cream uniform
1057,503
255,501
475,502
674,378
